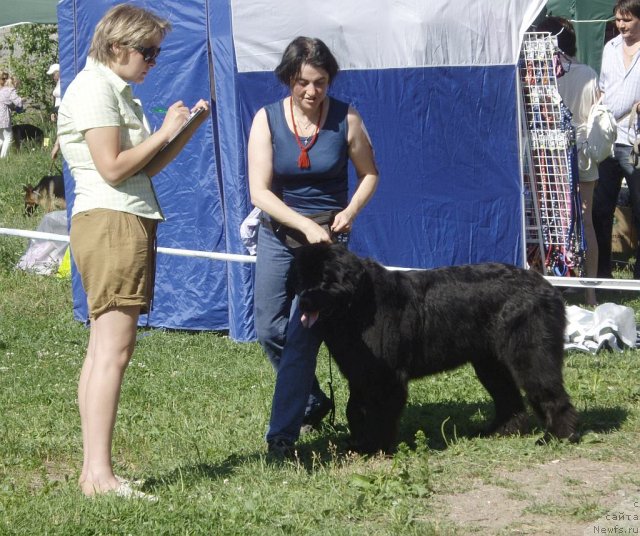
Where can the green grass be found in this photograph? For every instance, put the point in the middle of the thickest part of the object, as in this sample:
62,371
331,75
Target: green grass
194,410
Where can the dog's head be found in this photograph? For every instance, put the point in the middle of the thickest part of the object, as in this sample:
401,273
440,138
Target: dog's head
326,277
31,199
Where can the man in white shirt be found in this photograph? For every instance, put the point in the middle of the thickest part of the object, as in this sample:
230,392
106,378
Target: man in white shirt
620,84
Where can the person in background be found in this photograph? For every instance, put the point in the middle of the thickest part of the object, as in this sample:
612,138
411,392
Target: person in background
55,149
578,87
112,156
620,85
54,72
9,101
298,152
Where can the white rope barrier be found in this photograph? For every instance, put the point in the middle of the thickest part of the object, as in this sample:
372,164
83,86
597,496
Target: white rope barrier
593,20
586,282
35,234
581,282
233,257
167,251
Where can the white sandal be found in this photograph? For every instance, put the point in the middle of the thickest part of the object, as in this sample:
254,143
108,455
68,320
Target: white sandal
125,491
124,480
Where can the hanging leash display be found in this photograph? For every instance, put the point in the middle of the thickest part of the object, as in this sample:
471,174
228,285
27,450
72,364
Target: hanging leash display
555,236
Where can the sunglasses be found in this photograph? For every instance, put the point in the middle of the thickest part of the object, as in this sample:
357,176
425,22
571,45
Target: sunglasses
149,54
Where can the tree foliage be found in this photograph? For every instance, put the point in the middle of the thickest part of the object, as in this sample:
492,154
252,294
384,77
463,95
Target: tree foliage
31,49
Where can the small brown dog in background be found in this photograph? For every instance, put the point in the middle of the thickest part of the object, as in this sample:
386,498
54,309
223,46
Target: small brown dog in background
48,194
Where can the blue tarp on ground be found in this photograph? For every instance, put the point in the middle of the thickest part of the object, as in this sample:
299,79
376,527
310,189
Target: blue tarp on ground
439,99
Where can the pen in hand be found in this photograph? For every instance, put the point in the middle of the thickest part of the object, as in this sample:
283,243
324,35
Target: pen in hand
165,110
188,117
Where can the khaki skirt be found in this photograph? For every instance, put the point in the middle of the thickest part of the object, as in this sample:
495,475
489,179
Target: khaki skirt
115,256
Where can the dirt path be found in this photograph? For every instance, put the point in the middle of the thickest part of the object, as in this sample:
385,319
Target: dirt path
572,497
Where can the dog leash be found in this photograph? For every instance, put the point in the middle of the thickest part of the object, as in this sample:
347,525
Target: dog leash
55,167
332,398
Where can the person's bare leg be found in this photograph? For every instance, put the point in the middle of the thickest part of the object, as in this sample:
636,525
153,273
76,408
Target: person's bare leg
591,260
82,393
114,335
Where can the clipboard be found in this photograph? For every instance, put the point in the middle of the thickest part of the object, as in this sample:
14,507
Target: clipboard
177,137
196,113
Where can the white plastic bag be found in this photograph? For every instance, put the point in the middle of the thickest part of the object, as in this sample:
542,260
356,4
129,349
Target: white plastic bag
609,326
249,231
600,140
44,256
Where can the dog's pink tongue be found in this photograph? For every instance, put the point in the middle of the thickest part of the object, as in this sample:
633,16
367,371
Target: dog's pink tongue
309,320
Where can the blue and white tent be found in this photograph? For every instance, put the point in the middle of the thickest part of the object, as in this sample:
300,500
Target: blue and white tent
435,82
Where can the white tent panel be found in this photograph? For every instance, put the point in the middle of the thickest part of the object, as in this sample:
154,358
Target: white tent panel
386,34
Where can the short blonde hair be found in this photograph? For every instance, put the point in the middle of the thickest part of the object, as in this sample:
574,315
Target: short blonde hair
125,25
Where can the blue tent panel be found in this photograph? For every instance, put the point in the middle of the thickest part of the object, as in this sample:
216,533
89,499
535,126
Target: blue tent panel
190,293
446,143
445,138
232,151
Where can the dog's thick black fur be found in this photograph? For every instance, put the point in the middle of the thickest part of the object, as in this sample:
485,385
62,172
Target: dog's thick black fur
384,328
27,132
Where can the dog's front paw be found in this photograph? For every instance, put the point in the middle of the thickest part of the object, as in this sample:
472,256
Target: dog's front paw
367,448
517,424
548,438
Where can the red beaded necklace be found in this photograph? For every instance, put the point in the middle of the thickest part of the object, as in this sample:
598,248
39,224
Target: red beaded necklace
303,159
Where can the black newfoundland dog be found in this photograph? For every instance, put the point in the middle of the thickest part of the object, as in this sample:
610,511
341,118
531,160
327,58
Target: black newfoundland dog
385,327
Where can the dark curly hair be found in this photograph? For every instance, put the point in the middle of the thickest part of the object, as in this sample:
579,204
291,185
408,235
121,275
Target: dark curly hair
309,50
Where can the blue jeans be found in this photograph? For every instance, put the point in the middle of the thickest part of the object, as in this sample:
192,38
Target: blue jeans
291,348
605,199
